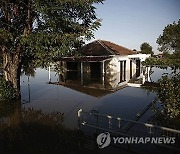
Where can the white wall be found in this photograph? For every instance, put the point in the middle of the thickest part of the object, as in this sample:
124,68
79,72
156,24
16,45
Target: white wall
142,57
113,66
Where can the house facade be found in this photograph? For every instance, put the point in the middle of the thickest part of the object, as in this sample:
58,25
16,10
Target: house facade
103,65
100,58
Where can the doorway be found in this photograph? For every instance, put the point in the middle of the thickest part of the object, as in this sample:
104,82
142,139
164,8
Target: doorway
95,68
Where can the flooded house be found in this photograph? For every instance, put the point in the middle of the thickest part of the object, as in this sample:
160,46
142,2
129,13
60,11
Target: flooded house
104,65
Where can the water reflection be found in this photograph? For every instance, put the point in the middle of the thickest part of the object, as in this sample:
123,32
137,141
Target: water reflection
71,95
26,130
98,84
37,127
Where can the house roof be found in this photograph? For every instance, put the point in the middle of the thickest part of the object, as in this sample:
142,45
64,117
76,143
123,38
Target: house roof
104,48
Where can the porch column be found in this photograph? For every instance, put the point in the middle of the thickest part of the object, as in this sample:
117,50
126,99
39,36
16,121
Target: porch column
103,72
49,73
81,72
148,73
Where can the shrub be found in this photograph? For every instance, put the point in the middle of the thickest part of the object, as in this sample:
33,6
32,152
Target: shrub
7,92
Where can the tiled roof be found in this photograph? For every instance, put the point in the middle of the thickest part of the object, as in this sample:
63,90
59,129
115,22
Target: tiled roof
102,48
117,49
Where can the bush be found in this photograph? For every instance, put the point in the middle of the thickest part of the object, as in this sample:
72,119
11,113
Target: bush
169,94
7,92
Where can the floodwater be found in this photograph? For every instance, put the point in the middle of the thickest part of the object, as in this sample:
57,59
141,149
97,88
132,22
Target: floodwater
125,102
38,125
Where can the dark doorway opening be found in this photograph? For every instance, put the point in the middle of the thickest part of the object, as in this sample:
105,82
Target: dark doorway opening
95,68
138,64
72,66
73,71
130,69
122,71
72,75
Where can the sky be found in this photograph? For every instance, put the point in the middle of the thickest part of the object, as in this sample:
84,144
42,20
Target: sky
130,23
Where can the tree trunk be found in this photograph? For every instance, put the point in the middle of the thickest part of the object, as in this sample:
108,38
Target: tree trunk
12,51
11,68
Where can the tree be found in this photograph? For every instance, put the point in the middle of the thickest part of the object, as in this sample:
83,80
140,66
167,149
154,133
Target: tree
42,29
167,113
169,94
146,48
169,41
0,61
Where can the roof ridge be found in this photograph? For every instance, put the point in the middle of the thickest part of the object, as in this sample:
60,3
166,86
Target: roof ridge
118,45
104,46
101,47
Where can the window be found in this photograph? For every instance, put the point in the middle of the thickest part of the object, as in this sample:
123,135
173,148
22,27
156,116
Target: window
130,69
122,71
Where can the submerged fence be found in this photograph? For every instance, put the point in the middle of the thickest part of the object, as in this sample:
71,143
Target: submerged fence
94,122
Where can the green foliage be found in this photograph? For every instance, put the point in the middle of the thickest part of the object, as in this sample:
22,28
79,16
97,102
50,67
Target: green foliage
6,108
146,48
168,60
7,92
54,27
169,41
43,30
1,62
169,94
154,62
168,112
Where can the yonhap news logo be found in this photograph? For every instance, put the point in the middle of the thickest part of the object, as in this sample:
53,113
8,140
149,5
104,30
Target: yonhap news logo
104,140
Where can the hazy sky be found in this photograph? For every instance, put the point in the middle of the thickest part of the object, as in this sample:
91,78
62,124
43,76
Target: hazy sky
131,22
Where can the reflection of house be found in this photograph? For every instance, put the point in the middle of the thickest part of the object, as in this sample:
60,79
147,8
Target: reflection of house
99,86
104,65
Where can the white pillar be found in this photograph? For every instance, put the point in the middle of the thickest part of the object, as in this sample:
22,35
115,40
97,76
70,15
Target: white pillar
103,71
148,74
49,74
